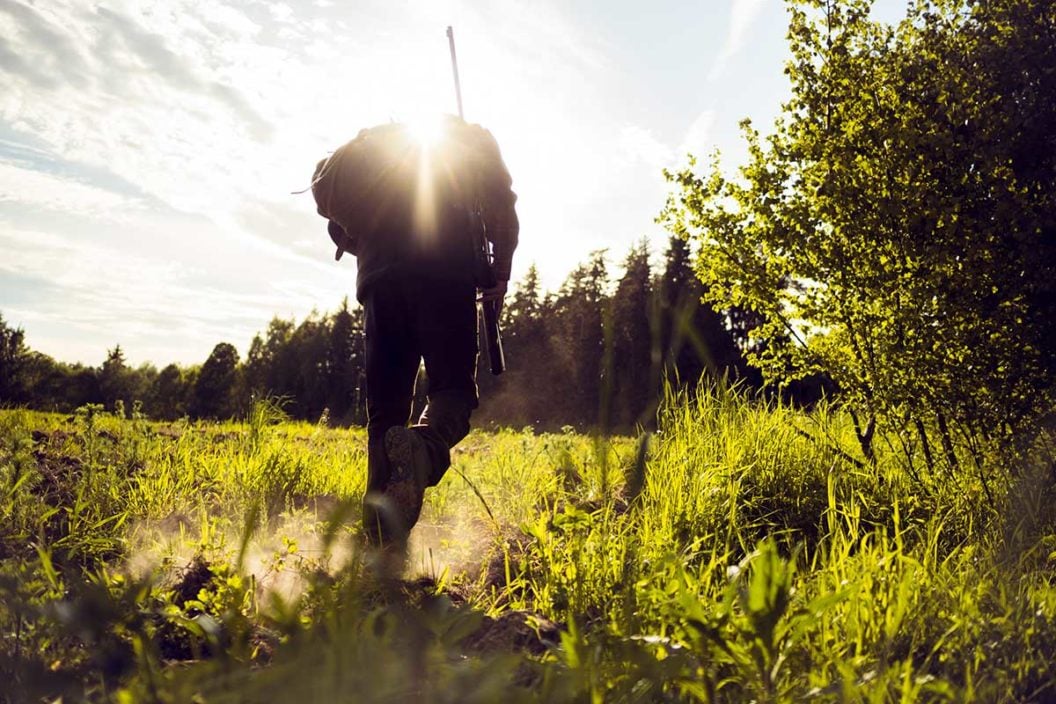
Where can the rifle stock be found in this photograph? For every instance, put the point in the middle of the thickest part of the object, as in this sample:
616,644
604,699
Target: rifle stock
493,338
485,279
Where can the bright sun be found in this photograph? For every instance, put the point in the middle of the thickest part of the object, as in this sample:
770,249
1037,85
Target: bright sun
426,129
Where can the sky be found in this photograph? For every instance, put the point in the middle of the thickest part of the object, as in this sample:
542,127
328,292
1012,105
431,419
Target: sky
151,150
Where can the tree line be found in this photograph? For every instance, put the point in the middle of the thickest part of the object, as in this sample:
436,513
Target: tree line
594,354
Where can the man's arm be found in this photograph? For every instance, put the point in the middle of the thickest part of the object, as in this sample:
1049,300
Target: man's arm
345,242
502,229
500,215
495,294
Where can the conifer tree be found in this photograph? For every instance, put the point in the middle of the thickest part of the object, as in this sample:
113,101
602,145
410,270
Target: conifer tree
582,360
115,380
635,336
696,340
345,366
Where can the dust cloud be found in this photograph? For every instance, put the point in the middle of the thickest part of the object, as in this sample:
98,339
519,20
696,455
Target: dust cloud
283,553
456,543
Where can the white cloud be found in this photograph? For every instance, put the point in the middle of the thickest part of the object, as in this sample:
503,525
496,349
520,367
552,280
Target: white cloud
139,293
698,140
40,190
224,20
743,15
205,107
280,12
642,145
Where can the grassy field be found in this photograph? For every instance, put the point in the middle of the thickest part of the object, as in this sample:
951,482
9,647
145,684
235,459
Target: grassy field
735,555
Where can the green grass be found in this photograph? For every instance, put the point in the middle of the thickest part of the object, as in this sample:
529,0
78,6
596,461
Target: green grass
736,555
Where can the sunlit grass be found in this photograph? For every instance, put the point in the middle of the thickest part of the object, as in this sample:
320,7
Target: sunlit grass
738,554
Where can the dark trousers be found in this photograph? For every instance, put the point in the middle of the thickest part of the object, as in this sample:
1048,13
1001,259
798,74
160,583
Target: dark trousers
411,317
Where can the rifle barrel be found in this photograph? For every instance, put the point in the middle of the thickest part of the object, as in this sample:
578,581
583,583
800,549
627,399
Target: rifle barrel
492,334
454,69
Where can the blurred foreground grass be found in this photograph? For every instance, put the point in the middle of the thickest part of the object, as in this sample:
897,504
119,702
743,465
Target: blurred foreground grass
736,555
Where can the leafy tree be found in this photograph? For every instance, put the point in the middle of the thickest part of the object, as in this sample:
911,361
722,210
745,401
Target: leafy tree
896,231
169,394
214,389
293,362
62,387
13,361
143,378
48,383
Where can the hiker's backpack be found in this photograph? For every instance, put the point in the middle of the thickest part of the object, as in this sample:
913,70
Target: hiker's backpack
365,185
379,184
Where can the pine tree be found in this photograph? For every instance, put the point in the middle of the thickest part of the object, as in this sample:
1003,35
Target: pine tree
634,387
696,340
306,355
345,366
523,395
577,336
115,380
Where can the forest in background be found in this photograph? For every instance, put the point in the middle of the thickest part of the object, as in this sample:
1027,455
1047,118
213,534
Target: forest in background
607,345
895,235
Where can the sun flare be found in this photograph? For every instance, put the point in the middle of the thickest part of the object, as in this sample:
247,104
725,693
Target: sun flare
426,129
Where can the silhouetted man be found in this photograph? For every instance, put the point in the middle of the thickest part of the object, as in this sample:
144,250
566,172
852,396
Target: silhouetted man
408,210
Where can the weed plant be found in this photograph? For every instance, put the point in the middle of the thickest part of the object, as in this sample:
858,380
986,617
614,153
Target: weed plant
740,553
